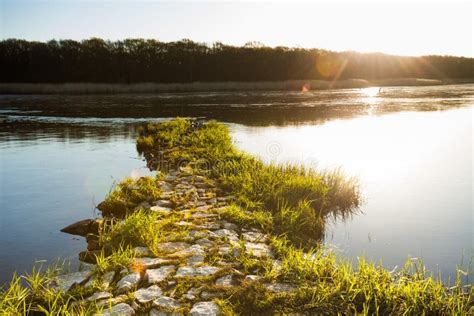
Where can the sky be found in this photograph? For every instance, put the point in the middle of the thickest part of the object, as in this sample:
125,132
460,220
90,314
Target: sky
402,28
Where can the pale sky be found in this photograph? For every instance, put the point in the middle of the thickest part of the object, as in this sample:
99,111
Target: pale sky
405,27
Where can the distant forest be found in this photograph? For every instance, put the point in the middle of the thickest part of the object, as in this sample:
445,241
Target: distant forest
139,60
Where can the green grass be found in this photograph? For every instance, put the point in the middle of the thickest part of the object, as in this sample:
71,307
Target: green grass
327,285
33,294
307,196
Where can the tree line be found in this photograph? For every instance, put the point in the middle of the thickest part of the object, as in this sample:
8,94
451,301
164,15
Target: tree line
140,60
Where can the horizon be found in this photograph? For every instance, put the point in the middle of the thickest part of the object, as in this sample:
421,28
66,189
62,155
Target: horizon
402,29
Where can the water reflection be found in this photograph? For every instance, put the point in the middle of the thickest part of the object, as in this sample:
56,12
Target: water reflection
416,175
249,108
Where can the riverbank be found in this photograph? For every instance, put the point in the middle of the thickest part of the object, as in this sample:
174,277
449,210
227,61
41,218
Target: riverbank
219,231
291,85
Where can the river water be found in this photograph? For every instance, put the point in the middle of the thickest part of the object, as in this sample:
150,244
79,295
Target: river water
410,147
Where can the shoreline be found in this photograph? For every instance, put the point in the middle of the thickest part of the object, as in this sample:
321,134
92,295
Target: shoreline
289,85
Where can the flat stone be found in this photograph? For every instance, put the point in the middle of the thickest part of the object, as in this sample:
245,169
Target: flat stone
206,295
121,309
170,178
150,263
170,247
195,260
255,237
258,250
280,287
98,296
199,215
144,205
156,312
142,252
166,187
230,226
203,208
204,242
164,203
128,282
160,274
252,278
227,280
227,233
205,309
211,226
108,278
112,301
193,272
166,303
67,281
160,209
190,251
148,294
192,294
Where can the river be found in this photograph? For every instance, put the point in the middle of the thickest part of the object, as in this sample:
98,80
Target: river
410,147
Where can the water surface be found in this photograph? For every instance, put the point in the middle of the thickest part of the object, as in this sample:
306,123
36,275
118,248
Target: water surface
411,149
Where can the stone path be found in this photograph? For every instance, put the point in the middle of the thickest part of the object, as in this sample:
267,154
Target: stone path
188,274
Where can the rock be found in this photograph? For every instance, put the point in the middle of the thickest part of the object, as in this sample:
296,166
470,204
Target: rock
160,209
112,301
258,250
128,282
203,208
195,260
153,262
145,205
228,234
204,242
211,226
227,280
98,296
164,203
166,187
107,279
199,271
84,227
170,178
252,278
170,247
194,250
208,295
149,294
155,312
199,215
255,237
205,309
192,294
121,309
66,281
230,226
142,252
159,275
93,245
280,287
166,302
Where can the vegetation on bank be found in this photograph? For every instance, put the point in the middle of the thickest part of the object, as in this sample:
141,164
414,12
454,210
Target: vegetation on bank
289,204
296,200
139,60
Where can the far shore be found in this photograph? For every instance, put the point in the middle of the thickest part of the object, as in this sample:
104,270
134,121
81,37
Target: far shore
290,85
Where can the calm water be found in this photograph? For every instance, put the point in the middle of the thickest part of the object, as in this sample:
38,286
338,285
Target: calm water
411,149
